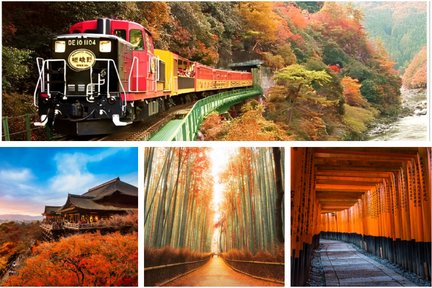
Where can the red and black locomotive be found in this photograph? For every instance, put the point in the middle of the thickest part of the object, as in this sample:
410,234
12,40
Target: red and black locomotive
106,73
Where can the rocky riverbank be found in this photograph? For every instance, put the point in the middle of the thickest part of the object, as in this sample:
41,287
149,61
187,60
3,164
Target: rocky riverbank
412,122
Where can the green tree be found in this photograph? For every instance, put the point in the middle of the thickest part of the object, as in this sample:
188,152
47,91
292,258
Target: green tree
15,67
298,81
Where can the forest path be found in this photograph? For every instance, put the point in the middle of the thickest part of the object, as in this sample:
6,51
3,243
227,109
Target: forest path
345,266
216,273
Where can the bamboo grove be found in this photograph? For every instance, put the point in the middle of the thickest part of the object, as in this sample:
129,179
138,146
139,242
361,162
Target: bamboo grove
253,207
177,193
178,187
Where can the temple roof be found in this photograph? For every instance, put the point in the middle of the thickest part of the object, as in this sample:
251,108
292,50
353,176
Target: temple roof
51,209
110,187
87,203
89,200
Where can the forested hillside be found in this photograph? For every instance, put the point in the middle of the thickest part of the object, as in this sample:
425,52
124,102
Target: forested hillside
16,238
400,26
415,75
331,80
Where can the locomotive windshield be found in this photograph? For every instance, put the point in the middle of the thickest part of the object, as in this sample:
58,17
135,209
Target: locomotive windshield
120,33
136,39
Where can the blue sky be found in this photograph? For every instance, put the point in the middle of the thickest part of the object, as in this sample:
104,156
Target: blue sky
31,178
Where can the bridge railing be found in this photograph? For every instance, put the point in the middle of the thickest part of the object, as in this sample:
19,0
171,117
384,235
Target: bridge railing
18,128
187,130
268,271
162,274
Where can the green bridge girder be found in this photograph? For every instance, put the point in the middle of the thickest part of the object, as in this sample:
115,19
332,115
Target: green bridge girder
185,129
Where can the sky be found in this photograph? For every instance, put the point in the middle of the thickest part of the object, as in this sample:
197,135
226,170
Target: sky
219,160
31,178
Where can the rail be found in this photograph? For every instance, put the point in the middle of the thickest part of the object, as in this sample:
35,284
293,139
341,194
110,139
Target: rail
275,274
84,225
256,262
169,272
19,128
189,125
172,265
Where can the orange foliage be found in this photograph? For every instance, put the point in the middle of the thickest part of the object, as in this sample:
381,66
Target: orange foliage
260,21
155,15
7,248
416,73
265,256
351,92
252,126
342,23
212,127
82,260
294,15
207,54
170,255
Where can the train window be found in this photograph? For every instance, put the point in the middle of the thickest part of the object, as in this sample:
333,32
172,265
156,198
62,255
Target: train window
120,33
136,39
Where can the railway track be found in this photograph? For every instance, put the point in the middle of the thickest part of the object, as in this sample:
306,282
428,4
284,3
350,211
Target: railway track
140,131
187,118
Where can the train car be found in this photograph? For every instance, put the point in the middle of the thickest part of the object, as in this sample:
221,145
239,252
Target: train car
106,73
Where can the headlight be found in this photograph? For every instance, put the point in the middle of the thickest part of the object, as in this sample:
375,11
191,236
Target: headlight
105,46
60,46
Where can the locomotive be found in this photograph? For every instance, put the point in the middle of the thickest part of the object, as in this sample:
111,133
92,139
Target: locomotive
106,73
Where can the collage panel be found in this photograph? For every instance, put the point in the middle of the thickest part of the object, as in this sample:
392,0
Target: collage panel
281,77
215,71
214,216
69,216
361,216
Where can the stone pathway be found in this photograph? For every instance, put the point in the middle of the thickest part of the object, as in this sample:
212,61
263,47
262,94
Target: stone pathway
344,266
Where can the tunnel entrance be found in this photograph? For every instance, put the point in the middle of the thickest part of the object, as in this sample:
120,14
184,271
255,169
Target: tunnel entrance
378,199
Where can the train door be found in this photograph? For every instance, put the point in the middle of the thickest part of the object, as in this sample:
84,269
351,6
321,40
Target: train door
152,63
175,77
144,65
139,62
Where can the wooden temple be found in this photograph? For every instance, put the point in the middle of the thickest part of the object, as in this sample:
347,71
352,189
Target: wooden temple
91,210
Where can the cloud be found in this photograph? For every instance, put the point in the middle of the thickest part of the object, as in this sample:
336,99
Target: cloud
73,175
16,183
75,183
75,172
16,175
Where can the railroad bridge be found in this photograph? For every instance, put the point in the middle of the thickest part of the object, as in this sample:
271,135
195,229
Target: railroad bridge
351,205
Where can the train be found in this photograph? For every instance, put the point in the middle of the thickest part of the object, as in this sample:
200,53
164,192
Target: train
106,73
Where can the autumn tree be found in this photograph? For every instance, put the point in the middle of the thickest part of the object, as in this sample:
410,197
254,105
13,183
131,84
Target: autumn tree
296,81
191,33
351,92
82,260
154,16
416,72
252,126
260,23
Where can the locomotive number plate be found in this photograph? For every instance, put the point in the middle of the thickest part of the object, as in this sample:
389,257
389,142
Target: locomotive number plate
81,59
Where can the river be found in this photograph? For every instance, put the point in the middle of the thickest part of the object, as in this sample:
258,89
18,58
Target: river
413,127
